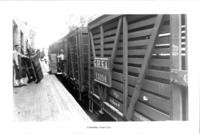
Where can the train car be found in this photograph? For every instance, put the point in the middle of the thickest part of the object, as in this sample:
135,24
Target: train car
138,67
53,52
52,59
77,42
75,48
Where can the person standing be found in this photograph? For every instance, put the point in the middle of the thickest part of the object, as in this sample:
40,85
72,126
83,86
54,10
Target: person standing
37,67
17,59
61,61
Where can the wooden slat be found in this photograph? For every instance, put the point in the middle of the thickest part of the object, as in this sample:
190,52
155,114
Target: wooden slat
138,117
140,33
96,36
117,85
134,69
118,59
98,52
107,52
157,87
158,74
160,62
136,60
92,43
108,39
117,76
142,23
118,67
110,32
164,29
95,31
138,42
136,52
102,20
166,18
125,64
141,76
132,80
131,18
156,101
163,40
98,47
116,41
161,51
133,52
151,112
110,25
110,45
97,41
101,40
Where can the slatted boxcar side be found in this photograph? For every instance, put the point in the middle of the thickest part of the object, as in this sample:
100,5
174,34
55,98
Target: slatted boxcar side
77,41
66,57
53,52
147,74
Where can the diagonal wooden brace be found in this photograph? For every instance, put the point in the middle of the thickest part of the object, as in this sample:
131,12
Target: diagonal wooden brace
116,41
92,44
137,89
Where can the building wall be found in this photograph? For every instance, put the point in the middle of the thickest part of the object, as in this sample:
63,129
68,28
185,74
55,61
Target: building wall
22,35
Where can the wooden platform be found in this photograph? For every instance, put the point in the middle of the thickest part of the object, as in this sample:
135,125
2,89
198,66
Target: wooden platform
46,101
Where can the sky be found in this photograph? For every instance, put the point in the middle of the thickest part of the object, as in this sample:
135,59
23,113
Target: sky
50,25
51,29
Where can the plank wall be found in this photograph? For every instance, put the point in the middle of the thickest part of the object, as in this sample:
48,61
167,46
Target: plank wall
156,85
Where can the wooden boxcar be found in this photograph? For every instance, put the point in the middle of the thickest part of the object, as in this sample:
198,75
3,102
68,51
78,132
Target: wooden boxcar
75,46
138,66
53,52
77,42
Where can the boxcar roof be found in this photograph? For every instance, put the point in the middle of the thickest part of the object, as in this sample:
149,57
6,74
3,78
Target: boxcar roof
80,29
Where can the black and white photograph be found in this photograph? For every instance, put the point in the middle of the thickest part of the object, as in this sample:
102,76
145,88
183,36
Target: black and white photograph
116,68
77,71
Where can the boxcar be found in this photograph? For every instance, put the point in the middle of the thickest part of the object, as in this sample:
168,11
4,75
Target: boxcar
138,66
77,56
53,52
75,46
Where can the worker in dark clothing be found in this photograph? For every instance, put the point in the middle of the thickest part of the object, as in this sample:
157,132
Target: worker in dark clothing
18,67
61,61
29,68
37,67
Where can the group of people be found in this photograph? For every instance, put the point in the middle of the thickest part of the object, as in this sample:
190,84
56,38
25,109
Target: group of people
25,67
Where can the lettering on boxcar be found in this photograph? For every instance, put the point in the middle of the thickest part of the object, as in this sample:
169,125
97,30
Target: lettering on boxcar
101,63
115,103
101,77
102,71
